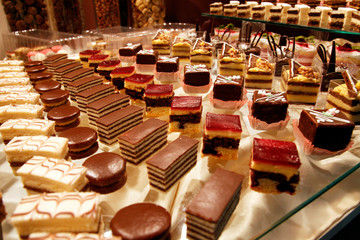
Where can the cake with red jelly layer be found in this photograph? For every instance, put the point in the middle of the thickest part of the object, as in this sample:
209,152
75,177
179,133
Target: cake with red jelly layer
104,68
196,78
85,55
135,85
274,166
260,73
202,53
228,91
118,76
167,69
185,114
128,53
326,128
146,61
269,106
95,60
158,98
161,43
221,137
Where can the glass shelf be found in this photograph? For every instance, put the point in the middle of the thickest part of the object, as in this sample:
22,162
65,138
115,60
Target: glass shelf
283,24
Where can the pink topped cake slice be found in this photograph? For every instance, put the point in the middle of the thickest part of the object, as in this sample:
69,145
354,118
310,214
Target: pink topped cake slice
135,85
158,98
95,60
85,55
222,136
105,68
274,167
118,76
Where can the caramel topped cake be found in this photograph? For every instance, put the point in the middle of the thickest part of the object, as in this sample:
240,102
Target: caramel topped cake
301,83
118,76
95,60
221,138
82,84
104,68
216,8
128,53
274,166
172,162
326,128
85,55
28,111
135,85
181,48
144,139
19,98
260,73
22,148
345,97
92,94
161,43
57,212
45,174
185,114
269,106
106,105
26,127
158,98
14,81
232,61
210,210
202,53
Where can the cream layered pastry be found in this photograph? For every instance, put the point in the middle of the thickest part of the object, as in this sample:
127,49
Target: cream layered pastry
230,10
104,68
314,18
274,166
158,98
355,21
28,111
19,98
136,84
57,212
222,134
345,97
292,16
303,14
14,81
185,114
243,11
44,174
26,127
258,12
348,12
161,43
14,75
324,22
181,48
216,8
284,8
232,61
260,73
202,53
337,19
301,83
275,14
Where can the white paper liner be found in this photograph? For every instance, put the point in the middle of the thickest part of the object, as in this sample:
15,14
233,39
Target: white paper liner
145,68
229,105
309,148
262,125
195,89
167,76
127,61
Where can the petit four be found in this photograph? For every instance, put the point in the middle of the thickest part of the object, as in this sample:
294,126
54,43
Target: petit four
118,76
146,61
275,14
128,53
19,98
243,11
181,48
14,81
54,58
65,117
74,75
28,111
202,53
135,85
228,91
35,69
258,12
13,75
314,18
335,4
172,162
46,86
92,94
95,60
260,73
85,55
336,20
39,77
161,43
158,98
167,69
292,16
230,10
216,8
60,72
55,98
232,61
196,78
16,89
104,68
83,84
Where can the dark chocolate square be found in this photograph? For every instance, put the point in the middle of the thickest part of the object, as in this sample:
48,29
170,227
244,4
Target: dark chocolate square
228,88
130,49
165,64
197,75
147,57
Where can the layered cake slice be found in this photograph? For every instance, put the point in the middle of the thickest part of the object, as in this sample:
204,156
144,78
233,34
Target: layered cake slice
82,84
143,140
57,212
314,18
75,75
311,3
26,127
326,128
60,72
344,96
301,83
14,81
167,69
56,65
104,68
28,111
44,174
92,94
230,10
292,16
54,58
22,148
161,43
274,166
172,162
232,61
13,75
95,60
19,98
113,124
216,8
185,114
201,53
269,106
222,134
181,48
11,63
243,11
128,53
337,19
260,73
86,54
5,69
196,78
158,98
275,14
146,61
227,91
106,105
16,89
258,12
118,76
135,85
335,4
67,236
210,210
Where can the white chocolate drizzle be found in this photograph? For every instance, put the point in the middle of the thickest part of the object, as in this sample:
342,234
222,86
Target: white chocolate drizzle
328,116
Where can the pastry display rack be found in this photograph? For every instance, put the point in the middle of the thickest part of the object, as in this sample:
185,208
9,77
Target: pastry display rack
293,29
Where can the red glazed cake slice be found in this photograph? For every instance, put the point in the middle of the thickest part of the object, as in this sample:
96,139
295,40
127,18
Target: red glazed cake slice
274,167
105,68
185,114
95,60
135,85
222,135
158,98
118,76
85,55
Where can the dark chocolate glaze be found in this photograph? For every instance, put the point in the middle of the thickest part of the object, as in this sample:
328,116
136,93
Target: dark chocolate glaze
55,96
45,86
80,137
63,114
